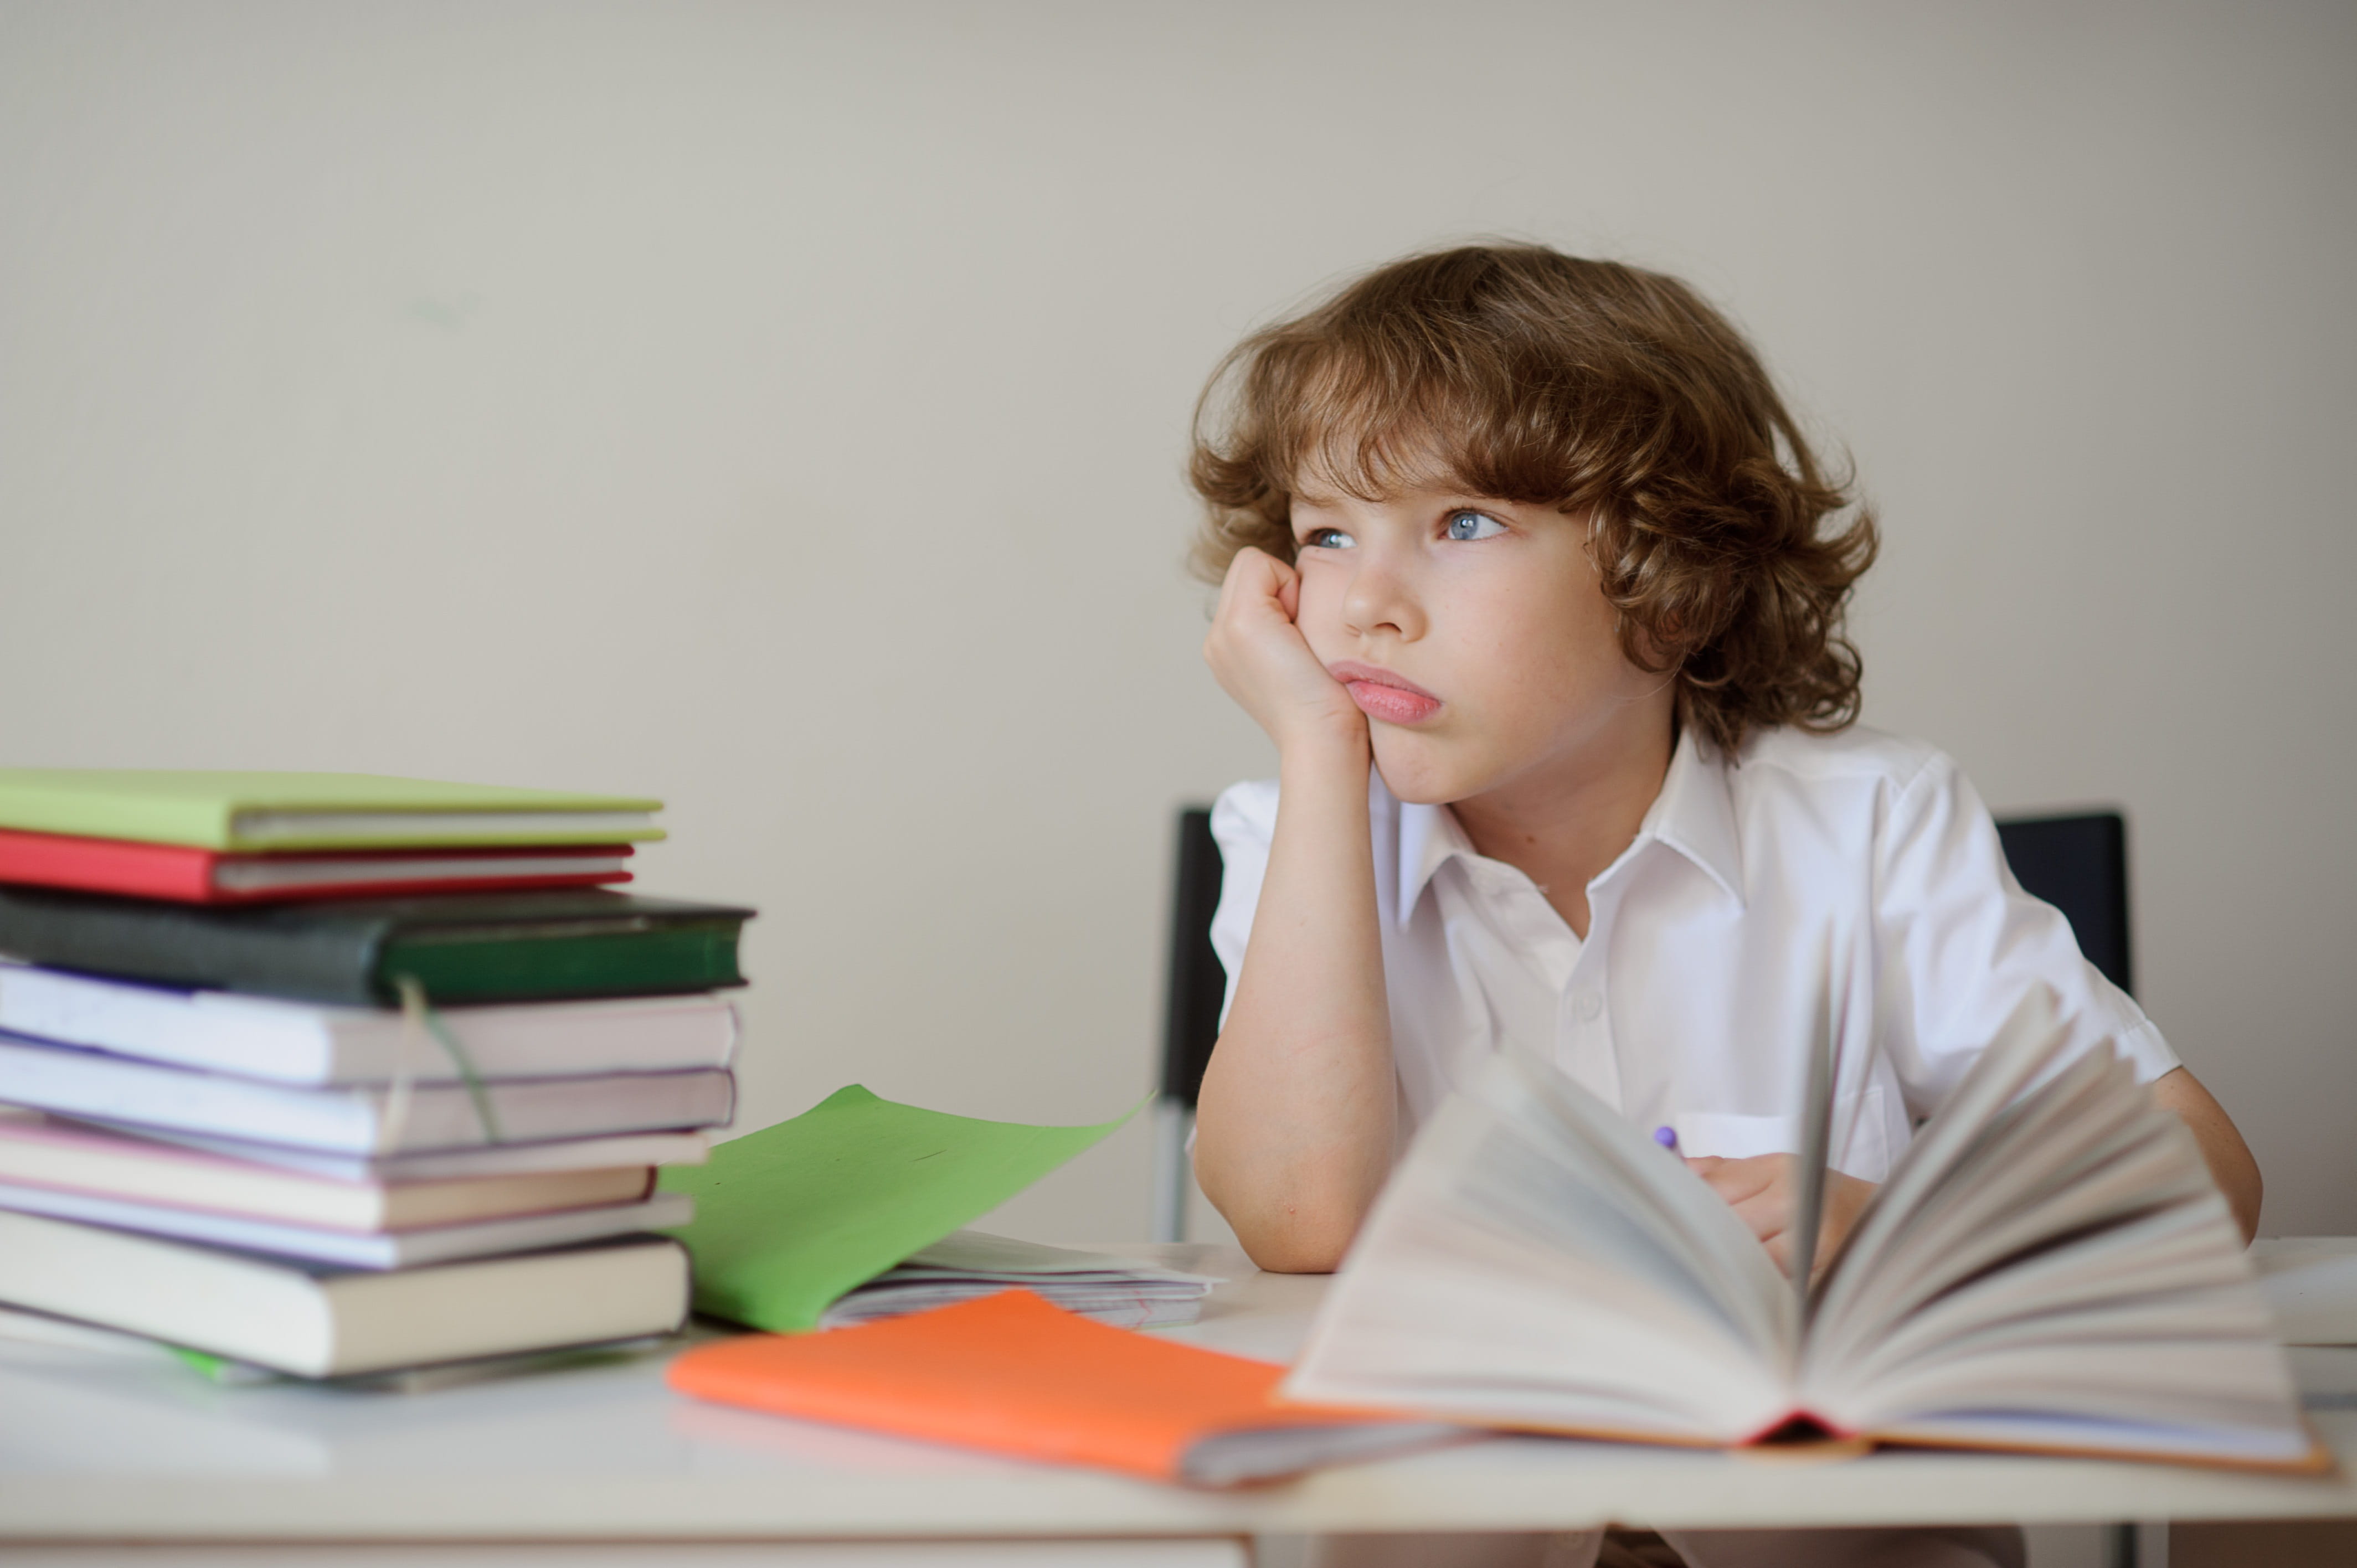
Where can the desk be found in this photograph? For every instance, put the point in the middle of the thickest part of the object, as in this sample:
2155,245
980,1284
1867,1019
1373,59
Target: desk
95,1449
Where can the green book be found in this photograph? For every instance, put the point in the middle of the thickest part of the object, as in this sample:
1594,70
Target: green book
792,1216
239,810
459,947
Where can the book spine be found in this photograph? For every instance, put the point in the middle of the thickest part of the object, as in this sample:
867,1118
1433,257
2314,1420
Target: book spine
151,818
107,866
190,945
290,1044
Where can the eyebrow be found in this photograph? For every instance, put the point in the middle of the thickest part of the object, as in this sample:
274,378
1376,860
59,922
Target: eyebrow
1449,500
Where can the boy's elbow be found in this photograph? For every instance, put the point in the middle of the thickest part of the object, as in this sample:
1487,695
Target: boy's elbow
1289,1247
1303,1233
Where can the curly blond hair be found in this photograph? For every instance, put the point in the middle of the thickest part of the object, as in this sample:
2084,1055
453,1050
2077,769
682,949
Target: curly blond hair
1530,376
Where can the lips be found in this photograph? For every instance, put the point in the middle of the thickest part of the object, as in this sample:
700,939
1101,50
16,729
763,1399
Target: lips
1381,695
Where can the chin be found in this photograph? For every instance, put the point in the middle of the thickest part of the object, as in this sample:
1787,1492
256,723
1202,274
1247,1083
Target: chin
1420,774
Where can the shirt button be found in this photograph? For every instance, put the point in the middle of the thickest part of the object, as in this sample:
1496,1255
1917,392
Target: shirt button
1588,1004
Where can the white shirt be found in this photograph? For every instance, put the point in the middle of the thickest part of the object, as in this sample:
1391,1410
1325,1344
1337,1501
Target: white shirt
1853,878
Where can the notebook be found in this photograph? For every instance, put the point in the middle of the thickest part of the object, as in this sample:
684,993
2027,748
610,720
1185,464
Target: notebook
317,1321
186,875
460,947
966,1265
305,1042
668,1148
1015,1375
273,811
362,1118
352,1249
790,1217
43,1151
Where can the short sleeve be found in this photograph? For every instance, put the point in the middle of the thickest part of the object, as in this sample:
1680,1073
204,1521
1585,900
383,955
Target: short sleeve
1959,944
1244,819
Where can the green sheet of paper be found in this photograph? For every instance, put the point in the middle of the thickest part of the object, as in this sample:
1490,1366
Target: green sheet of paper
790,1217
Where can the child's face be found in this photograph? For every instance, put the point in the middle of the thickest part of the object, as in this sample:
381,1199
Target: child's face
1491,614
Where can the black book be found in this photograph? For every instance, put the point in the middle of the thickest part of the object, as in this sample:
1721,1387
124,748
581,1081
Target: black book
459,948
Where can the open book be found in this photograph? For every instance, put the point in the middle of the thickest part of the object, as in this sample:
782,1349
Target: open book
2049,1268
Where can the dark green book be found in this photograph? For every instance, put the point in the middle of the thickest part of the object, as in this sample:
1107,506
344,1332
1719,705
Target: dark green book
460,947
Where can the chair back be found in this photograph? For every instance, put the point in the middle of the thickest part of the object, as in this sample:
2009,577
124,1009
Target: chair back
2080,864
1196,982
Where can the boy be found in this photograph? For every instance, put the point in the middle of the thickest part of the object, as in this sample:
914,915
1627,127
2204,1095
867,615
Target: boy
1527,573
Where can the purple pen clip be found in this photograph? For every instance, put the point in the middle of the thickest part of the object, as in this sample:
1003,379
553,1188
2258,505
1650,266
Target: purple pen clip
1667,1137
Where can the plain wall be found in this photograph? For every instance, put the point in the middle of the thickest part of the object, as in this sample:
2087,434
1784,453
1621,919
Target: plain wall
779,409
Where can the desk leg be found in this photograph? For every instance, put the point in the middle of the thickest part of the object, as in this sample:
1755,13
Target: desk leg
1174,1179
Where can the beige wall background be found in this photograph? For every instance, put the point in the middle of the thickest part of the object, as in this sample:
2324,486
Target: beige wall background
778,408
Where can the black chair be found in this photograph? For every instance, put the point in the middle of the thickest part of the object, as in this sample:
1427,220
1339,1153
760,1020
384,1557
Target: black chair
1197,986
2078,863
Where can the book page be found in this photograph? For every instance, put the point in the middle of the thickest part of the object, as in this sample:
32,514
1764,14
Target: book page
2050,1265
1536,1261
2006,1068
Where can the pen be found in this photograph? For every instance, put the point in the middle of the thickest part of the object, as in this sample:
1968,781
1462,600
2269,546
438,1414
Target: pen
1667,1137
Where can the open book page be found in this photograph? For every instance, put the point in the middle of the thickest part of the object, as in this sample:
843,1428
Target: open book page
2050,1266
2011,1061
1536,1261
1815,1157
965,1265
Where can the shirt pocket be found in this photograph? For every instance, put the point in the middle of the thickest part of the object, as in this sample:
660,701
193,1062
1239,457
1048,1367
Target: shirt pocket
1861,1136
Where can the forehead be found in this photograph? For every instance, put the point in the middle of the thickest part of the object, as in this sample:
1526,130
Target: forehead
1315,493
1410,459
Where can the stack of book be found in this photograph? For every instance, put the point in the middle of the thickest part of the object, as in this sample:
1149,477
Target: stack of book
335,1074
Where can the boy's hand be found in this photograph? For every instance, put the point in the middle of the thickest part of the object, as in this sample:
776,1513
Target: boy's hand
1267,665
1763,1191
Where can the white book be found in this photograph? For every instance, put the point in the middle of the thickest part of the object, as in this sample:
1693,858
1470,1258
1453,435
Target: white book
286,873
356,1119
21,1327
665,1148
2049,1268
356,1250
43,1151
965,1265
317,1322
311,1043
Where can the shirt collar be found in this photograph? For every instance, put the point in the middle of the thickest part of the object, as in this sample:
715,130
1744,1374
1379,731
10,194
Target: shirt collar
1693,815
1429,838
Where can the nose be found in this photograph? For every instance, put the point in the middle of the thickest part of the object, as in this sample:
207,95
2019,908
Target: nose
1382,598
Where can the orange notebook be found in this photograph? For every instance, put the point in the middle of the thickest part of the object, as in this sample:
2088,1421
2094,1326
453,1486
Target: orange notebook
1012,1373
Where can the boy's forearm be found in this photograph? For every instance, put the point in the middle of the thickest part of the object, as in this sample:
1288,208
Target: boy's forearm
2229,1159
1294,1122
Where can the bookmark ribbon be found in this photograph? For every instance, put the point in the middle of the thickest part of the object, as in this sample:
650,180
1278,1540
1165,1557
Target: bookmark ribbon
418,1015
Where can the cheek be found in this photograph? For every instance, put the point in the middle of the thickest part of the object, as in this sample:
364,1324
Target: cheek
1318,613
1546,645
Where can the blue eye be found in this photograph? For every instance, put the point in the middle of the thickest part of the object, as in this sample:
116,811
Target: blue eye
1468,525
1329,539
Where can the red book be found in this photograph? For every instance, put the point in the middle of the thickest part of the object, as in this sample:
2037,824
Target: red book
186,875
